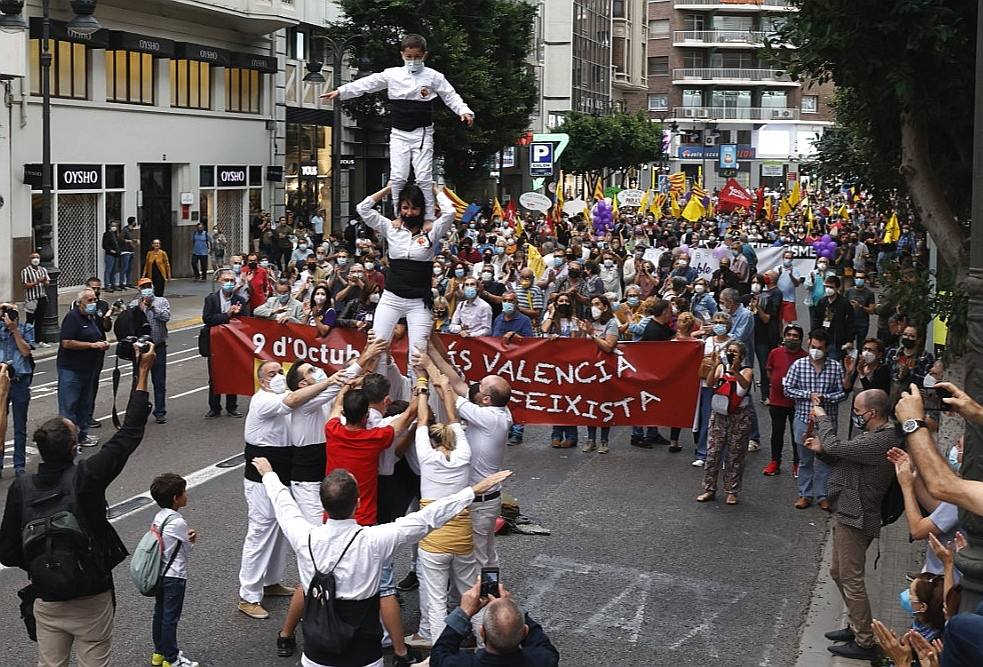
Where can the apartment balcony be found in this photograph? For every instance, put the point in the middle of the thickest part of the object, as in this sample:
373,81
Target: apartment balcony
736,114
249,16
730,39
727,76
735,6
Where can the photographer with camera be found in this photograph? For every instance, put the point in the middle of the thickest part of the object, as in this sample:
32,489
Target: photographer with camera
80,354
104,319
16,340
70,549
157,310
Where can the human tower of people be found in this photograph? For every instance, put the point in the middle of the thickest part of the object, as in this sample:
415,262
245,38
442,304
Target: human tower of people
347,469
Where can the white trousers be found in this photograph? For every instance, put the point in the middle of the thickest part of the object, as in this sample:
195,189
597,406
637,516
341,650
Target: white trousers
419,320
264,551
436,573
308,497
414,147
483,516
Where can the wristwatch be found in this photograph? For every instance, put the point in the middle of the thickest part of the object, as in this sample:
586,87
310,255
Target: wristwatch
911,425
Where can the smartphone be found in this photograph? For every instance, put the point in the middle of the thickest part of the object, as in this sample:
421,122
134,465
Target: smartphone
489,582
942,394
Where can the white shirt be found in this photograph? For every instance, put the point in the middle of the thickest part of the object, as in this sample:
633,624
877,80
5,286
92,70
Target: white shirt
268,420
400,84
307,421
317,224
488,427
441,476
403,244
175,532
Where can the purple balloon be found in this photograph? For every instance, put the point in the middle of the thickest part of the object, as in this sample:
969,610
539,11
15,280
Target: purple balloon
720,252
684,248
817,246
826,238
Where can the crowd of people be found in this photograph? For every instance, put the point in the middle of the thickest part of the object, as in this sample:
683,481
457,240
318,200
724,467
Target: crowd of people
347,469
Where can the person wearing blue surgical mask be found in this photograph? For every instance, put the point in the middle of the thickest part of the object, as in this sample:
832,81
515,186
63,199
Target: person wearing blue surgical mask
157,310
282,306
473,316
863,304
80,357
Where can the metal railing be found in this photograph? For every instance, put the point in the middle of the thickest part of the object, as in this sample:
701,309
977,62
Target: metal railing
742,37
735,113
738,4
730,73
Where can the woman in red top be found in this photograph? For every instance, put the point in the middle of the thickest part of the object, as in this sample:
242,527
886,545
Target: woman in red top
259,282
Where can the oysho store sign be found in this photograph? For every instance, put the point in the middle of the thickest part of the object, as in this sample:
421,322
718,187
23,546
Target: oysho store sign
79,177
232,177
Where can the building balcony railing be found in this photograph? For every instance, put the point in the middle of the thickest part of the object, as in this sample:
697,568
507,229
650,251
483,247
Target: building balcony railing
736,5
764,114
707,75
724,38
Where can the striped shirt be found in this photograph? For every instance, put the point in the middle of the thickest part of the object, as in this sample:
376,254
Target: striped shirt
156,318
33,274
802,381
530,298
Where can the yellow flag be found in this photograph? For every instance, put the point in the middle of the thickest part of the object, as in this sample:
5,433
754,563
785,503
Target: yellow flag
795,196
519,227
674,203
893,231
809,220
614,206
784,208
643,205
843,212
710,209
598,190
587,215
497,210
658,201
694,209
558,206
769,214
459,204
534,260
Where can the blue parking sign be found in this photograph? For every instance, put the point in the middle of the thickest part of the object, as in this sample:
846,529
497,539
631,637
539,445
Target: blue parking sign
541,159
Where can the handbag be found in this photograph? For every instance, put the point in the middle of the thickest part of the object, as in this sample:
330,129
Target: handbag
725,400
709,365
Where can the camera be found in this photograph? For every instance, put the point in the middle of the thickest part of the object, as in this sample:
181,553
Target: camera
943,394
9,312
489,582
128,348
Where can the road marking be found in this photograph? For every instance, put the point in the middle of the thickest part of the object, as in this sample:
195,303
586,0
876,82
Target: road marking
188,393
196,478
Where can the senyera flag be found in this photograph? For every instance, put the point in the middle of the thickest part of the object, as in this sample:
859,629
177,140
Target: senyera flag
565,381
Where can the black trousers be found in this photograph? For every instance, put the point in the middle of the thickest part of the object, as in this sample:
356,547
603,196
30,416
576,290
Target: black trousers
37,317
779,417
158,279
199,265
215,400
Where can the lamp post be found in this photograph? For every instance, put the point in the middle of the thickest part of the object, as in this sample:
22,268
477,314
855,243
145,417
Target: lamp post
338,51
84,23
970,560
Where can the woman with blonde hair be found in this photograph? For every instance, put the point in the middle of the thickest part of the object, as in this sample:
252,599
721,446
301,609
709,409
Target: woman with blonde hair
446,555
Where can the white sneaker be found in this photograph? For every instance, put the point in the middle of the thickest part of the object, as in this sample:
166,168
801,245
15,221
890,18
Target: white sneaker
181,661
753,445
416,641
698,463
89,441
43,344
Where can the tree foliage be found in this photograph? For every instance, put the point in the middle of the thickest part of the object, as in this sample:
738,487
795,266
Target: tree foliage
905,74
606,144
479,45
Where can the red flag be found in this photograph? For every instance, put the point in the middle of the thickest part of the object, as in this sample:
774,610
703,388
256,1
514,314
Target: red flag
510,212
759,203
733,194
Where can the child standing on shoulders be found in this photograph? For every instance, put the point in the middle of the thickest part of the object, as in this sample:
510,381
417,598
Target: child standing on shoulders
171,493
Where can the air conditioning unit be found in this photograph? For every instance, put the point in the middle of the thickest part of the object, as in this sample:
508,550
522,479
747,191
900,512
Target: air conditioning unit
710,140
695,112
783,114
689,113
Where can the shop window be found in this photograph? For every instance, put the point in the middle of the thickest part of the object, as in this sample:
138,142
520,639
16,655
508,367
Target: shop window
191,84
206,177
256,176
242,90
69,65
114,208
114,177
129,77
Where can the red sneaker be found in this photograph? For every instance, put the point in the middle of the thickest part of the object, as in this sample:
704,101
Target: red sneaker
771,469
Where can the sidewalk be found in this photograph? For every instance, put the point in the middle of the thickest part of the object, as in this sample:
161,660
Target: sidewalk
185,295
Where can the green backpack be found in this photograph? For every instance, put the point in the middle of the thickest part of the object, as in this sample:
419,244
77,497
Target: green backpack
146,565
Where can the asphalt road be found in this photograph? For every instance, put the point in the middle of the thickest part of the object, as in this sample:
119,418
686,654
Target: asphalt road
635,572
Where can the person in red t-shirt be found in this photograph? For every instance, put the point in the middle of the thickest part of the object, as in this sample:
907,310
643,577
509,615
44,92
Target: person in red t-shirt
781,407
258,280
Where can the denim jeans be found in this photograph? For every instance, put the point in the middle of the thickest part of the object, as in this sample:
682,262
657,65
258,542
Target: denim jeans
703,427
126,259
592,432
644,432
75,396
111,271
565,433
158,375
19,399
964,639
167,613
517,431
813,473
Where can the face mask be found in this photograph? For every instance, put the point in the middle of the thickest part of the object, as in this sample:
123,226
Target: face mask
237,268
719,329
868,357
699,289
499,251
608,264
320,299
830,292
574,273
437,270
954,458
303,246
284,298
374,298
342,261
563,308
816,354
147,293
319,375
595,312
369,266
470,293
633,301
278,384
228,287
413,65
908,343
253,265
730,358
859,421
792,343
459,273
557,262
905,598
755,288
822,267
112,229
90,308
859,282
35,261
508,307
486,276
265,264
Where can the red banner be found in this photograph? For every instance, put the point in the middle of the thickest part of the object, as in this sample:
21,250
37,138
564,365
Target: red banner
565,381
734,195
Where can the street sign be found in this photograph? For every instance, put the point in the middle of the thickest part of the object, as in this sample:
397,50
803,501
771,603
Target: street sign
540,159
346,162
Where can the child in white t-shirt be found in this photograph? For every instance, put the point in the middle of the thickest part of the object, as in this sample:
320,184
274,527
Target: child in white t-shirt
171,493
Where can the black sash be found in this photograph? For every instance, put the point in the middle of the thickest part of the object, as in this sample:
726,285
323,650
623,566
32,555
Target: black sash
279,457
409,115
411,279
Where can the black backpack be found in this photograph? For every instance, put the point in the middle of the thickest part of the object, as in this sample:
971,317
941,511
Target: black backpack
61,560
325,631
892,504
131,322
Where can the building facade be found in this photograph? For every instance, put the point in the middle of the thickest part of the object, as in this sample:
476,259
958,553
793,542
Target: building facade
708,82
